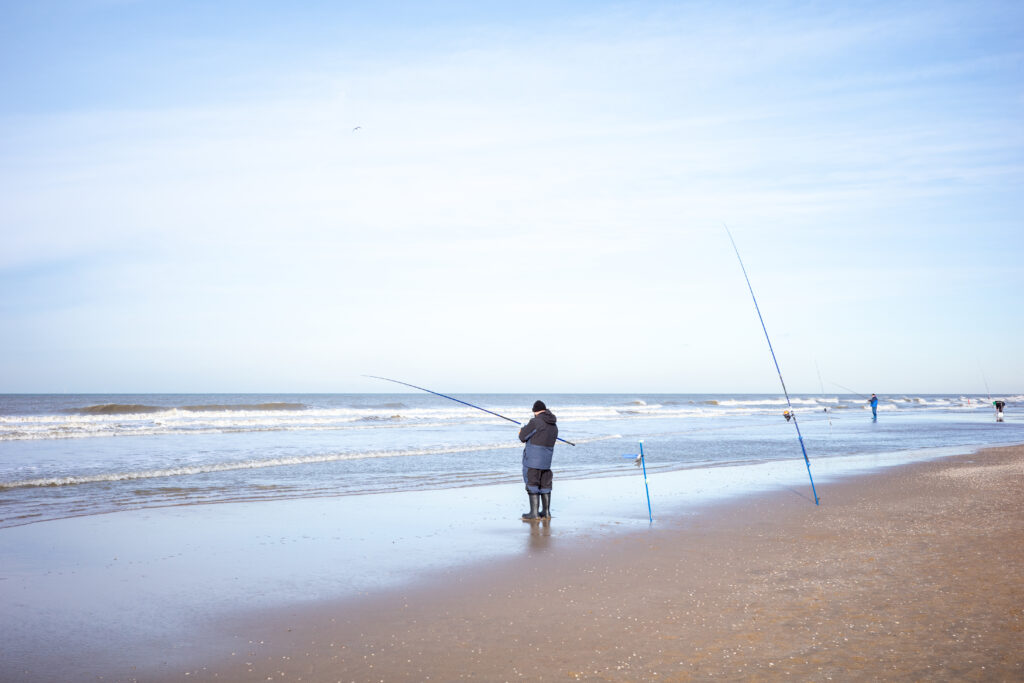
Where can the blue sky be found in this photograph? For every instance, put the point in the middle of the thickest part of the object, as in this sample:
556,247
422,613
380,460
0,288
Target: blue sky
534,199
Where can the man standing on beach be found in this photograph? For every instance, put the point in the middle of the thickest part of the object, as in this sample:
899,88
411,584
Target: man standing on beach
874,406
539,435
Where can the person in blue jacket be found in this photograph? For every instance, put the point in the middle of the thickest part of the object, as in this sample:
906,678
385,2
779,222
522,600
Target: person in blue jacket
539,435
874,406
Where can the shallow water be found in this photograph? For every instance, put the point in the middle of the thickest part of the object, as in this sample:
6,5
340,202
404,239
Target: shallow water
71,455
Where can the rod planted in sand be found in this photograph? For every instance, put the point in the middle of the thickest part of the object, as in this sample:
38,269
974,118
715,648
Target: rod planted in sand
774,360
650,514
640,457
452,398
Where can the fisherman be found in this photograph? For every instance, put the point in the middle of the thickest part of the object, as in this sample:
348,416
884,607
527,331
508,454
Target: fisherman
999,404
539,435
874,406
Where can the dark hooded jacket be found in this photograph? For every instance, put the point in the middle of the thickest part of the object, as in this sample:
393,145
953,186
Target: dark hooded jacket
540,435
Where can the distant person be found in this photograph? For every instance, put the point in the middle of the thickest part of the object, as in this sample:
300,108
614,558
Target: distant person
539,435
999,404
874,406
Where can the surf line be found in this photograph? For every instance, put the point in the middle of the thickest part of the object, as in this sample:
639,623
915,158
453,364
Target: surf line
774,360
452,398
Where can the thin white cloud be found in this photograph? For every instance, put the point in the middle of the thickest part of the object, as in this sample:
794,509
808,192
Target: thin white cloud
593,168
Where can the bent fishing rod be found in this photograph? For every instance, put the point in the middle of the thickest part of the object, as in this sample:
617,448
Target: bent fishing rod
465,403
774,360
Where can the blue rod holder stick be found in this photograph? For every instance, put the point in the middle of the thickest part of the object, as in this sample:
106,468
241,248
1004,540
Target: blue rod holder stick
650,514
640,456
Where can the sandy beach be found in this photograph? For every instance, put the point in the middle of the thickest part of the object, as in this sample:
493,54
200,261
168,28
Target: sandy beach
913,573
904,572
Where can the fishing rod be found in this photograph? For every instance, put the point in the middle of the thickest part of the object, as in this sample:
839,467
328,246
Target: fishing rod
465,403
772,350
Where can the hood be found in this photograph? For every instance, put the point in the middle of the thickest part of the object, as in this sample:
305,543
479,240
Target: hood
548,417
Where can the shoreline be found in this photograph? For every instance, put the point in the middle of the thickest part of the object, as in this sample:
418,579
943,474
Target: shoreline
608,598
910,573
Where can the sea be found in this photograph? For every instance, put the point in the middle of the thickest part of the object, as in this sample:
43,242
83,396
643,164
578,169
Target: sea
73,455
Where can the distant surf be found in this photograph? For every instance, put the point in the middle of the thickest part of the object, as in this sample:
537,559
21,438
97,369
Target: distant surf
115,409
137,408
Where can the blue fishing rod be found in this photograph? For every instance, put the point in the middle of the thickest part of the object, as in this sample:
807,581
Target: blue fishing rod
786,393
465,403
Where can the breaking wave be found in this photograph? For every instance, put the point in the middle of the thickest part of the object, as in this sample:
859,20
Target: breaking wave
142,409
228,466
116,409
186,470
243,407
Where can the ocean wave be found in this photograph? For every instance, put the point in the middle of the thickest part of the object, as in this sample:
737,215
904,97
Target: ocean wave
766,401
118,419
83,432
143,409
218,408
117,409
188,470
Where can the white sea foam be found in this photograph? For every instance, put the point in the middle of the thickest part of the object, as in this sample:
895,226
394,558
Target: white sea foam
269,462
245,465
214,418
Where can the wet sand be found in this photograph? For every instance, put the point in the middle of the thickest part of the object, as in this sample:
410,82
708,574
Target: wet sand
911,573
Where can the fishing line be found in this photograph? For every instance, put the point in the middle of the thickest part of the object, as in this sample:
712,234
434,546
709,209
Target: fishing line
822,385
772,350
855,393
452,398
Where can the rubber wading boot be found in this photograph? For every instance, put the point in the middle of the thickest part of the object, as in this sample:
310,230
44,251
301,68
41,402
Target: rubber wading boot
534,501
545,505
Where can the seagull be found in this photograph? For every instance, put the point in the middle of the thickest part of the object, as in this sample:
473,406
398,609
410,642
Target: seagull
356,128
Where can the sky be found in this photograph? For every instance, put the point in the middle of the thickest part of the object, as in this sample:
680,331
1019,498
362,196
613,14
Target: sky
511,197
